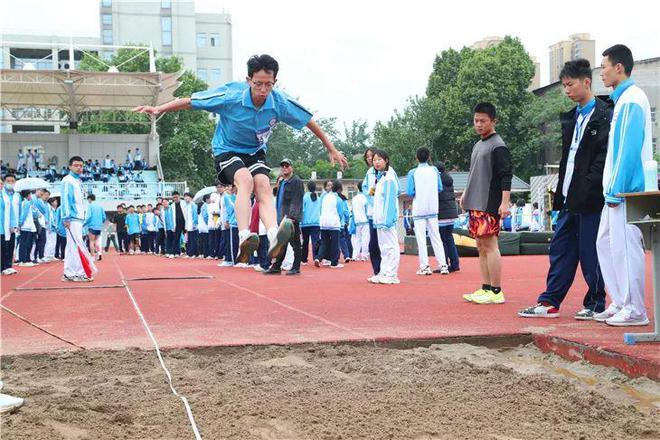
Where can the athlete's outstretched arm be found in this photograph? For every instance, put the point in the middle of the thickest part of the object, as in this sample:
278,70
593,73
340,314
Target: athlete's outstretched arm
172,106
336,156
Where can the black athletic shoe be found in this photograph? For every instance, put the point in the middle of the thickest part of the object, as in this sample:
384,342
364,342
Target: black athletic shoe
293,272
272,271
284,234
247,247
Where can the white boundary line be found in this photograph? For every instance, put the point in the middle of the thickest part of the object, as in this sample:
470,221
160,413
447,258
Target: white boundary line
12,291
294,309
160,357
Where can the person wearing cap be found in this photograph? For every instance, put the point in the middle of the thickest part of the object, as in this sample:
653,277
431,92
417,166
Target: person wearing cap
290,193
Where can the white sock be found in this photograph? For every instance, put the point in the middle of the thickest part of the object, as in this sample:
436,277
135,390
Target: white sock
272,234
242,234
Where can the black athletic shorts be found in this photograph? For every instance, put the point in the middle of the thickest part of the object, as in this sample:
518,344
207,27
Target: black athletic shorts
227,164
94,231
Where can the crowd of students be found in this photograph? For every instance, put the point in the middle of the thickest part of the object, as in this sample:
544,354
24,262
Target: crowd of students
93,170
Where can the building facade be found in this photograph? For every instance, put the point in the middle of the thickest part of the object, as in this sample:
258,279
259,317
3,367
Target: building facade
577,46
202,41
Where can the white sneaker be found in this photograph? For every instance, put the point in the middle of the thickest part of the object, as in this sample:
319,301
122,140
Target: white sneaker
28,264
609,312
259,269
10,403
426,270
226,264
209,257
6,272
82,279
374,279
170,256
131,252
625,319
444,270
12,271
338,266
242,265
389,280
286,268
325,263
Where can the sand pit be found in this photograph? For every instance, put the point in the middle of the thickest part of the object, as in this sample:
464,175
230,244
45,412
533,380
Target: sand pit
454,391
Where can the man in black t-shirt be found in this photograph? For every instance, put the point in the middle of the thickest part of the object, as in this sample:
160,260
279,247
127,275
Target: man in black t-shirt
122,233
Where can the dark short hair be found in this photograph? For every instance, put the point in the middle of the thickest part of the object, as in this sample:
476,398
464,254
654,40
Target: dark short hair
487,108
423,154
337,186
25,193
7,176
264,62
578,69
187,194
121,205
620,54
440,165
76,159
175,193
91,197
131,206
206,197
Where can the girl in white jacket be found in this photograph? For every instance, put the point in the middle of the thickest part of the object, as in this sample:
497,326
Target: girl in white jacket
386,215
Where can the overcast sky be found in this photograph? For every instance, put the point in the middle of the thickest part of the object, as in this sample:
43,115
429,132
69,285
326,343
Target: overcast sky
361,59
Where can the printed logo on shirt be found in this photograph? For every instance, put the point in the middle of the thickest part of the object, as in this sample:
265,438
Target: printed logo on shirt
264,134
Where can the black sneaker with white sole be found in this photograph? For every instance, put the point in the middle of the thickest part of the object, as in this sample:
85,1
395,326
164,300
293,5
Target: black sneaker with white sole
284,233
247,247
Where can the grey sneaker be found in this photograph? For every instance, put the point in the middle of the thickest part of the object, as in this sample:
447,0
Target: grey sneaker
585,315
284,233
610,311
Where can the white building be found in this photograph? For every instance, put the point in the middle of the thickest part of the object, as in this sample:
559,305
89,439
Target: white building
202,41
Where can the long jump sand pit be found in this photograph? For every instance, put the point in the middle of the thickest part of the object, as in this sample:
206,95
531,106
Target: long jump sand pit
444,391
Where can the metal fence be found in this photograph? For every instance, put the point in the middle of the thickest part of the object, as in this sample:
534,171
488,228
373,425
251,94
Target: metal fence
130,190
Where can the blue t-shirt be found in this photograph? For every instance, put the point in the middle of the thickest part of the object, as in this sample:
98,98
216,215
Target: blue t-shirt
242,128
133,223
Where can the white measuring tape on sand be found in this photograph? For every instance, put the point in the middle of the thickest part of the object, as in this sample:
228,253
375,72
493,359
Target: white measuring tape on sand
160,358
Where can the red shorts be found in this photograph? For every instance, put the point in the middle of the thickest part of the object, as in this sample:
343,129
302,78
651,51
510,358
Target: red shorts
483,224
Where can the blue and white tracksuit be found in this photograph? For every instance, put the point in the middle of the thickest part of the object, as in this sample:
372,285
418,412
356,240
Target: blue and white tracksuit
424,184
331,221
360,222
73,210
386,215
619,245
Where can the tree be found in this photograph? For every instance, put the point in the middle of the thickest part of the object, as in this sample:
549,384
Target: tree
541,129
443,118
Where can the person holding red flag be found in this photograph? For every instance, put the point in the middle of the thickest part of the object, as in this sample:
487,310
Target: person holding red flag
78,263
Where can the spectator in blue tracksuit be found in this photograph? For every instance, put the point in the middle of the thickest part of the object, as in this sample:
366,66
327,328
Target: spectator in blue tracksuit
169,218
42,214
368,189
28,229
192,233
332,216
133,225
60,244
203,227
344,237
159,241
94,222
10,213
231,226
309,225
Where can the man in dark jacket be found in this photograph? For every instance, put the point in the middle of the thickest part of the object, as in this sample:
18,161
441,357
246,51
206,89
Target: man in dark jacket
578,198
290,194
447,215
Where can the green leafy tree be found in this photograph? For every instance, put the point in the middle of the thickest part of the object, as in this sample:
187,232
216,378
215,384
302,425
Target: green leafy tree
443,118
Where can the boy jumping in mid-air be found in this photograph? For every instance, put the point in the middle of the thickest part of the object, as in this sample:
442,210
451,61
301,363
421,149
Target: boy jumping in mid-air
248,111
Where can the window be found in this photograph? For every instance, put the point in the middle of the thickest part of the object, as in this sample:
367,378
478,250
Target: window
201,39
166,27
107,36
106,55
107,19
216,75
106,3
201,74
215,40
166,4
652,114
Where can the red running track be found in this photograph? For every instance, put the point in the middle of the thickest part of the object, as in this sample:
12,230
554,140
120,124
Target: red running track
241,306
